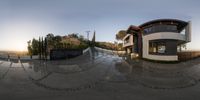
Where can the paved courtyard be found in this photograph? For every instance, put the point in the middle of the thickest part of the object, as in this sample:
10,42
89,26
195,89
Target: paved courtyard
99,76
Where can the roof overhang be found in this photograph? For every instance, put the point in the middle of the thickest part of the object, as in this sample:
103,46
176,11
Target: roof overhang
180,24
133,29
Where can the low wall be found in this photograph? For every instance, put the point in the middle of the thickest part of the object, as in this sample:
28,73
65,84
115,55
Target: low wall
111,51
187,55
56,54
86,50
162,57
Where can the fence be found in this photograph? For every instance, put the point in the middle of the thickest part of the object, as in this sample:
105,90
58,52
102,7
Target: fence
187,55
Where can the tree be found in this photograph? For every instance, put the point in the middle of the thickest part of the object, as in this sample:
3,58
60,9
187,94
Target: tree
30,50
45,48
50,35
57,41
40,48
50,41
35,46
182,46
120,35
81,38
73,35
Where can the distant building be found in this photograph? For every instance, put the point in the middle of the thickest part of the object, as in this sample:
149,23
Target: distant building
157,39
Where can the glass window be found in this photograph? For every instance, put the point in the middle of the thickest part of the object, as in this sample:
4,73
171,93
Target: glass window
161,48
156,47
161,28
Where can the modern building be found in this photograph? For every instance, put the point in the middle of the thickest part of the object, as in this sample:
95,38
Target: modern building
157,39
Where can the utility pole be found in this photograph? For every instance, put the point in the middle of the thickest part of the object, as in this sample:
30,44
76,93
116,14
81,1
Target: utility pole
88,33
93,39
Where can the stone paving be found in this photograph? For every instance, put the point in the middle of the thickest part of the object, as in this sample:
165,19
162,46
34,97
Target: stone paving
99,75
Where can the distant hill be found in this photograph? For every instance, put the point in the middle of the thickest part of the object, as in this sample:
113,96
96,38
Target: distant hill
13,53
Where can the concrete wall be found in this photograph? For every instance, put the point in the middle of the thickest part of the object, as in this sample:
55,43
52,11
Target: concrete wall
188,32
86,50
110,51
160,35
130,41
162,57
56,54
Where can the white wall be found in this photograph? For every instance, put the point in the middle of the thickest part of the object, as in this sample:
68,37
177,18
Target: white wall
130,43
188,32
110,51
160,35
86,50
162,57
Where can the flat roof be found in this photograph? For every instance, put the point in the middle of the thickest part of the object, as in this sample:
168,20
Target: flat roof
180,23
133,28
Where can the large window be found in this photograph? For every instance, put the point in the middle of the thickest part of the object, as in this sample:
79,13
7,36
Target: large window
160,28
161,48
157,47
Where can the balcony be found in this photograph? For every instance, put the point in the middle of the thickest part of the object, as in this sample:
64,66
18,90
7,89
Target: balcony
160,28
168,31
128,40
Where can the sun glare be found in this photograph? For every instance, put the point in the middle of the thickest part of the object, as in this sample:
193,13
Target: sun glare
17,41
19,46
22,47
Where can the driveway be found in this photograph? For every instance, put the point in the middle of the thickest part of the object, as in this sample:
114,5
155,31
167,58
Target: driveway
98,75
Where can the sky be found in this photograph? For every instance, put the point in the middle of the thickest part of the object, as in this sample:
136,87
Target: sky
22,20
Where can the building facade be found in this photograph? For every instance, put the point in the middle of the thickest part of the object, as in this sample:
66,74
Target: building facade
157,39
